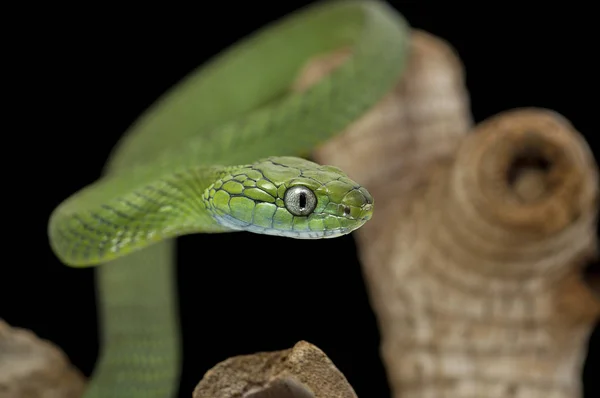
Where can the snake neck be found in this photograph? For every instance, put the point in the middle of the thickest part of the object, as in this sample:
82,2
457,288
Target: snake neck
140,343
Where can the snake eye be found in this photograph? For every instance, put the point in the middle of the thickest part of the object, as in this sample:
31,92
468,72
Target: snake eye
299,200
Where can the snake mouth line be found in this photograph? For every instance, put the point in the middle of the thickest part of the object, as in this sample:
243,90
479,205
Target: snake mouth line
331,233
229,222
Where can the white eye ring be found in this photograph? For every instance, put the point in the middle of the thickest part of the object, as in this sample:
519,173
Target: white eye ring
300,200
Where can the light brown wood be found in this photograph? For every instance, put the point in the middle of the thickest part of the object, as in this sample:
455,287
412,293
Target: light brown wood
303,371
473,257
34,368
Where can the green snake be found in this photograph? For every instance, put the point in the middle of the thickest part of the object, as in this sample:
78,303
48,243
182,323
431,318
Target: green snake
221,152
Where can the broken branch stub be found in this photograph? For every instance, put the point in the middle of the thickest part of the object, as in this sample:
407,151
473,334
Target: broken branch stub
303,371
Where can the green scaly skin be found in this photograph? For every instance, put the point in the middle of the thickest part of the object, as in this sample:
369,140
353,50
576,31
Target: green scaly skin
213,155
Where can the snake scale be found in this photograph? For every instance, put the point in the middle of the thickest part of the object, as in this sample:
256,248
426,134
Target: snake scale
219,152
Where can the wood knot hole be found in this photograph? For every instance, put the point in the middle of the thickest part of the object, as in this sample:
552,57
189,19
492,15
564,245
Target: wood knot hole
528,174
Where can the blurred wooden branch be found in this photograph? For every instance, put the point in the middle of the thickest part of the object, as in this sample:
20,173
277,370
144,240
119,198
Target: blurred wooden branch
34,368
474,254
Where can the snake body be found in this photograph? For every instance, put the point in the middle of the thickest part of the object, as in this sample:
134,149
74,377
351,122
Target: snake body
217,153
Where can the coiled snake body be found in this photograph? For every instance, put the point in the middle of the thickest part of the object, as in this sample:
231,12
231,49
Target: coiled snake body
216,154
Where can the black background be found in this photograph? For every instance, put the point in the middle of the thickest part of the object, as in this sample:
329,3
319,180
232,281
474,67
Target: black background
84,74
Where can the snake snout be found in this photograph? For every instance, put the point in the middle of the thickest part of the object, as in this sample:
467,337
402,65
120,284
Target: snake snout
358,204
366,211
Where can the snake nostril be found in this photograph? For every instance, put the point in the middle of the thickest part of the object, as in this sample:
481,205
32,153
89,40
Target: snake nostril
347,210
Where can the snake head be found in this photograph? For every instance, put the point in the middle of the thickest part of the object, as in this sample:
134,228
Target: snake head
289,196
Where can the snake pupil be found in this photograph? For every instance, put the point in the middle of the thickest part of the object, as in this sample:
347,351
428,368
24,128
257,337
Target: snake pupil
302,199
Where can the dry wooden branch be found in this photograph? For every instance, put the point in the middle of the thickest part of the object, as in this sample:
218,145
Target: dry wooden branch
474,254
35,368
303,371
